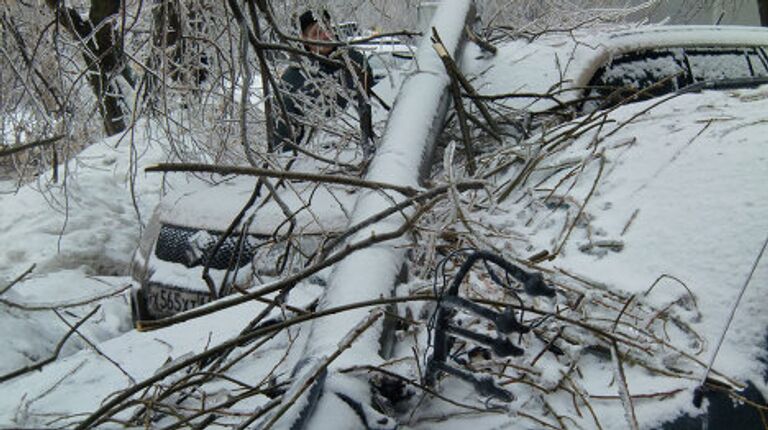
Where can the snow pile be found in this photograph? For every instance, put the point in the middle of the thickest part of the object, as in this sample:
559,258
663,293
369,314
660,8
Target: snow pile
77,385
80,236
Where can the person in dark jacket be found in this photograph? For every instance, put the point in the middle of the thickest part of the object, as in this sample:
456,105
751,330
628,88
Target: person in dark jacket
324,87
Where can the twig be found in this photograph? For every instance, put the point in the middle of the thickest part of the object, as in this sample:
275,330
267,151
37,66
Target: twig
549,409
280,174
453,74
581,208
736,396
18,279
255,194
626,400
40,364
458,79
537,420
623,309
663,395
547,346
62,305
95,348
584,399
259,413
629,223
664,275
662,311
732,312
483,44
265,73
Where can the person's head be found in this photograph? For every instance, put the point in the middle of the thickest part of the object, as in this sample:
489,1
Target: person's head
313,29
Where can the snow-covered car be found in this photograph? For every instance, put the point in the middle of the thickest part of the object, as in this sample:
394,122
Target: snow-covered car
183,261
578,74
659,204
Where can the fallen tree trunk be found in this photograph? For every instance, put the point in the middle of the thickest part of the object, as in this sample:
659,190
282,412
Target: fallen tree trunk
404,159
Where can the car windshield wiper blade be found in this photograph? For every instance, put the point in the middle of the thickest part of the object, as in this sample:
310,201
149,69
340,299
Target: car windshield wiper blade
725,84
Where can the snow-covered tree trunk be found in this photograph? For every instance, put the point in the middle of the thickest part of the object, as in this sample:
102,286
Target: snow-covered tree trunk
403,159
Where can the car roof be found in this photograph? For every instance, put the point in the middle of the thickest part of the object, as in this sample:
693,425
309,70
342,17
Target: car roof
522,66
678,36
686,35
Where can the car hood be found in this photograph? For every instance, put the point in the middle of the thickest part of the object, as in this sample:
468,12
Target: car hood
665,203
313,208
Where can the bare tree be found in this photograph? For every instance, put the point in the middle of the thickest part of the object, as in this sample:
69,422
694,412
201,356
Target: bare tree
102,51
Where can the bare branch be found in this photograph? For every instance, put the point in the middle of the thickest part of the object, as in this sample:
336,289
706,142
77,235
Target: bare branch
18,279
40,364
42,142
281,174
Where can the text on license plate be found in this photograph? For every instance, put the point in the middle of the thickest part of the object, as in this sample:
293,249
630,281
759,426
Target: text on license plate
163,301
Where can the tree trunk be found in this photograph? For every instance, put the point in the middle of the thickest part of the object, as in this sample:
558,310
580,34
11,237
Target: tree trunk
762,6
107,61
187,62
103,55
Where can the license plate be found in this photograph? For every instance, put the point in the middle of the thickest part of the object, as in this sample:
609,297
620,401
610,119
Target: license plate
164,301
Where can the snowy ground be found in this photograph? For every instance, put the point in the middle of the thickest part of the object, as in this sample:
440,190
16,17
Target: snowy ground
80,238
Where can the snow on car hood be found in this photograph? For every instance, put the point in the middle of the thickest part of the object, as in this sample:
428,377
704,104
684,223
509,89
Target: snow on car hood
317,208
674,194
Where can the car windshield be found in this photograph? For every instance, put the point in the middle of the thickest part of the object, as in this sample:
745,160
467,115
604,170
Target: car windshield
657,72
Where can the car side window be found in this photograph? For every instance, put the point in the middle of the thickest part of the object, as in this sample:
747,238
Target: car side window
657,72
758,62
716,64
